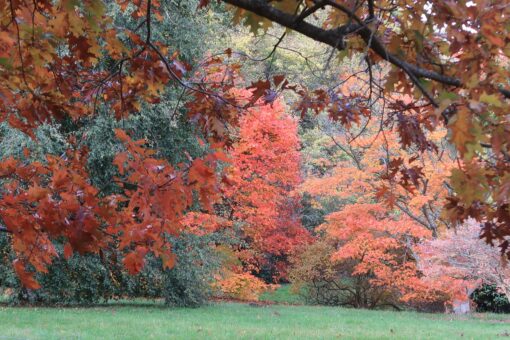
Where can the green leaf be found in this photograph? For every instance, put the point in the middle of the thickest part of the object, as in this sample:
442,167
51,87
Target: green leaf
491,99
448,95
5,62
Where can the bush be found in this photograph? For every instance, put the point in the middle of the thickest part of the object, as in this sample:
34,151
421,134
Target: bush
188,284
8,278
82,280
241,286
314,276
92,279
488,299
325,282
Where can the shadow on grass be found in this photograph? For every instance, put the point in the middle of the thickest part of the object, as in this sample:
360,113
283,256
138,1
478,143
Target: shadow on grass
142,304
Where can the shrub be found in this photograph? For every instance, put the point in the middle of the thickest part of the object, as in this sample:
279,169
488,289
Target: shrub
321,280
189,282
80,280
234,282
92,279
314,276
241,286
488,299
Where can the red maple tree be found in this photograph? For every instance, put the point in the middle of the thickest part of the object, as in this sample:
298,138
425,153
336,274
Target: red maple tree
262,186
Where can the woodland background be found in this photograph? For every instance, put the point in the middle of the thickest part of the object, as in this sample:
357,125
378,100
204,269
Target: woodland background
189,151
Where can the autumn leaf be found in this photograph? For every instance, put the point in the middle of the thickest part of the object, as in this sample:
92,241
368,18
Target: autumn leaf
461,130
259,89
135,261
169,261
203,3
27,279
68,251
36,192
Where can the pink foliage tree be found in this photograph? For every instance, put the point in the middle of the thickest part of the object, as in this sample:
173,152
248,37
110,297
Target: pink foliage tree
461,261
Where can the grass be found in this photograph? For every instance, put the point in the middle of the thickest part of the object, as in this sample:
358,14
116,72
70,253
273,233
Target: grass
282,295
237,321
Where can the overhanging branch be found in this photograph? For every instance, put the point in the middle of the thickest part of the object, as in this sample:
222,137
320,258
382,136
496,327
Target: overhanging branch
335,37
263,9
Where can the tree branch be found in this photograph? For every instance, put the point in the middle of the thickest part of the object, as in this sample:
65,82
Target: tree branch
409,213
371,12
263,9
332,38
310,10
3,229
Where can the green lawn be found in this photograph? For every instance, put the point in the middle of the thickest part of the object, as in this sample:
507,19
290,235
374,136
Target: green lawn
234,321
282,295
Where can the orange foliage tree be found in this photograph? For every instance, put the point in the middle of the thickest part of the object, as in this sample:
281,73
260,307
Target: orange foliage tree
388,200
374,253
261,193
260,201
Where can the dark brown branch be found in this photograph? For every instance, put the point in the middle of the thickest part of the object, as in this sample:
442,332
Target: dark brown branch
408,212
263,9
4,230
371,12
309,11
350,153
377,46
274,48
148,21
332,38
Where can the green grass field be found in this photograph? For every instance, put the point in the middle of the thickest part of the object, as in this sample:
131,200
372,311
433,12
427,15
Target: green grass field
237,321
282,295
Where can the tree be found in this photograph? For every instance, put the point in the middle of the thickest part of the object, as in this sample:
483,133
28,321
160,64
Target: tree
365,259
461,255
373,261
66,62
366,168
377,249
261,192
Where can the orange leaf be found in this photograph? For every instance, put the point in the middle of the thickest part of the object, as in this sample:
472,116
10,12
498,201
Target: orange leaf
26,278
68,251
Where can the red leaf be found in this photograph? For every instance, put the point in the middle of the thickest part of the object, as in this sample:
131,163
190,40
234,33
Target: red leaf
168,260
27,279
259,89
122,135
203,3
135,261
278,79
68,251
